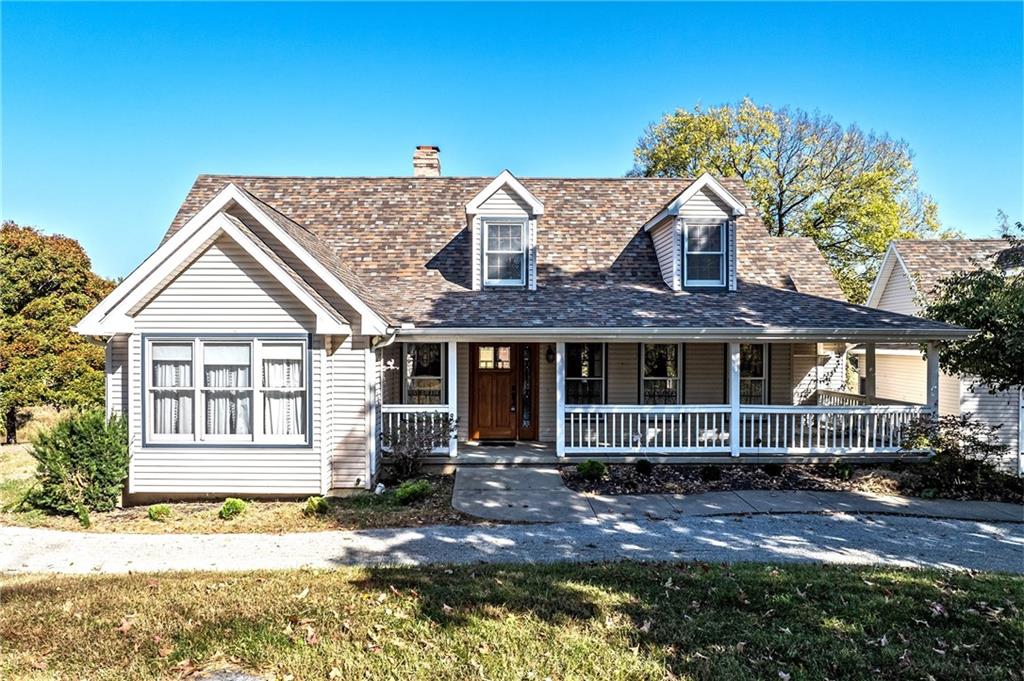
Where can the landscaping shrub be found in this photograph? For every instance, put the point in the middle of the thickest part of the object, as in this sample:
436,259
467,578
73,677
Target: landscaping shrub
231,508
842,471
591,469
710,473
644,468
316,506
964,462
772,470
410,440
159,512
411,491
82,464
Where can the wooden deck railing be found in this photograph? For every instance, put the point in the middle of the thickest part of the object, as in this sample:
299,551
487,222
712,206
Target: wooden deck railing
434,417
836,398
872,429
666,429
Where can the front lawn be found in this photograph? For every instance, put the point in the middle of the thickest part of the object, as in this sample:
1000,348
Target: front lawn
605,621
360,511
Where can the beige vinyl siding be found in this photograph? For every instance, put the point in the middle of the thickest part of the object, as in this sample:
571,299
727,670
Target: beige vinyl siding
704,373
623,373
1001,410
547,403
666,245
905,377
348,445
803,359
224,289
897,292
780,373
949,395
505,204
116,372
462,396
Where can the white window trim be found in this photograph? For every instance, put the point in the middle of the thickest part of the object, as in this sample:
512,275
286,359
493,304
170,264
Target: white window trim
716,283
444,370
763,378
604,371
644,377
198,435
523,251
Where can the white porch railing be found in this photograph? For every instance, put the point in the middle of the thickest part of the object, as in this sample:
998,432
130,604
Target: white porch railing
630,429
871,429
669,430
432,417
836,398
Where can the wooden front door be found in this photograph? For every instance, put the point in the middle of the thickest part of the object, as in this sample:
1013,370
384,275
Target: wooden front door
503,395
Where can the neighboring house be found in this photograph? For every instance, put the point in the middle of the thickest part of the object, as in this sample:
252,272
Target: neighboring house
285,325
905,282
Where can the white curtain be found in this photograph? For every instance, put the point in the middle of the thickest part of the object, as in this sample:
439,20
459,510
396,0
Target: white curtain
282,409
228,413
172,410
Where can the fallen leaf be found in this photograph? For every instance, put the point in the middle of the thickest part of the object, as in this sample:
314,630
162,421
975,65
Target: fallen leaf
302,594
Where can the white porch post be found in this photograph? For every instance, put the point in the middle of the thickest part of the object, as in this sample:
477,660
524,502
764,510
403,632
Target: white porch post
453,392
933,380
734,399
560,399
869,370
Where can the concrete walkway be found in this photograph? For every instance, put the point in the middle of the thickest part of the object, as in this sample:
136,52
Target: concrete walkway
538,495
839,538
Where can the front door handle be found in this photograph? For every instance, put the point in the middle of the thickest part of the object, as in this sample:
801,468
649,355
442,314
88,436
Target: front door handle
512,402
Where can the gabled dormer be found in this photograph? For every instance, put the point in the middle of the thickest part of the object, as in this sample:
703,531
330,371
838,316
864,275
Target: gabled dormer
503,223
694,236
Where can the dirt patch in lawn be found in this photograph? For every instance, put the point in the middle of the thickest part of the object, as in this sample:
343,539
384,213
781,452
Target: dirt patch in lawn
899,479
363,510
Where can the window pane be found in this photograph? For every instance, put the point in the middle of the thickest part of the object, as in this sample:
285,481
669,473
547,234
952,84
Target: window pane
425,359
584,360
752,361
228,413
226,366
426,391
504,237
660,391
284,413
282,373
172,413
486,357
752,391
704,267
504,357
579,391
660,361
505,267
704,238
172,365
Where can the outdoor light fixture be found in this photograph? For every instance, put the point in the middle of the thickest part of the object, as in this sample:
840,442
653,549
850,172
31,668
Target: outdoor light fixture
550,355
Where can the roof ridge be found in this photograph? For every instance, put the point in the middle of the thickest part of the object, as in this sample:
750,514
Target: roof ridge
575,178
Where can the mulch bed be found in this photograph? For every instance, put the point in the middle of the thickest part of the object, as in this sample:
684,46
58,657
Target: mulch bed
693,479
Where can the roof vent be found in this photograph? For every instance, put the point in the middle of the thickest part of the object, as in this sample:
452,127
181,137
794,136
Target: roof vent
426,162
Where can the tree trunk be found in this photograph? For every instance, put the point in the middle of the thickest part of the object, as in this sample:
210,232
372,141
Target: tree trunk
11,424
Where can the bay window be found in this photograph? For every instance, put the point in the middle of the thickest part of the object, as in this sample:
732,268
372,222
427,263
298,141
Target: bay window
704,254
584,373
504,252
233,391
660,379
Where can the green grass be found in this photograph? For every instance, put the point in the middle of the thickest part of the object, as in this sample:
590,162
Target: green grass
606,621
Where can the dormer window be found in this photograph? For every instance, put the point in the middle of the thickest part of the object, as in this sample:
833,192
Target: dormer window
704,254
504,252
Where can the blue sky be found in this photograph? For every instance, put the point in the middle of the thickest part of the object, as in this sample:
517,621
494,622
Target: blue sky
111,110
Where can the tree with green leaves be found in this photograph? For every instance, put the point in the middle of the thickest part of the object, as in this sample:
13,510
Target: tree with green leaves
46,286
991,300
851,191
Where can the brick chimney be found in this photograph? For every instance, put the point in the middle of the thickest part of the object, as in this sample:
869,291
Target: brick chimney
426,161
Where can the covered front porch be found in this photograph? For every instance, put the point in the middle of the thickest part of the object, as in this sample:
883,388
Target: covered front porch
657,398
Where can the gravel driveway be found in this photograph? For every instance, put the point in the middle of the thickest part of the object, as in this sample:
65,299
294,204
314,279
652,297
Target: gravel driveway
836,538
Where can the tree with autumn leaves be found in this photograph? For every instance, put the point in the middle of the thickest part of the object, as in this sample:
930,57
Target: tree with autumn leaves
46,286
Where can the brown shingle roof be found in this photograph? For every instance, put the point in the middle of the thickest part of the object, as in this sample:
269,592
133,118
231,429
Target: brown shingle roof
929,260
402,243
